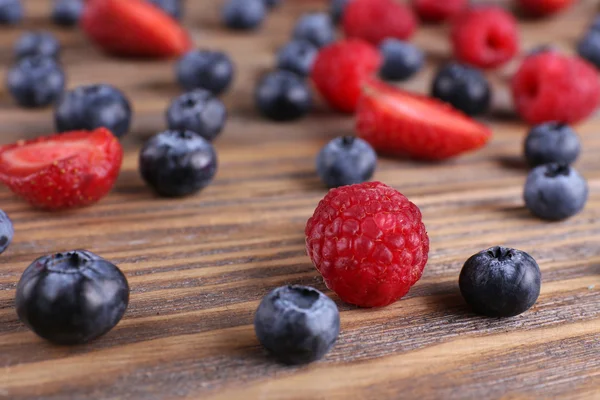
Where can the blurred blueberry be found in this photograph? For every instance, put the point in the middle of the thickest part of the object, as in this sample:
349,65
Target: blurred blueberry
67,12
317,28
172,7
297,56
37,44
589,47
336,10
11,12
205,69
244,14
36,81
401,60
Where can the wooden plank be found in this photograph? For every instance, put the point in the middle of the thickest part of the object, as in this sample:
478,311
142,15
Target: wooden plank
199,266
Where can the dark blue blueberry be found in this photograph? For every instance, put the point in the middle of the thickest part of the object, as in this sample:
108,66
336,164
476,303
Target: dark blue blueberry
244,14
72,298
500,282
345,161
67,12
178,163
316,28
297,324
297,56
11,12
36,81
401,60
6,231
93,106
197,111
37,44
336,10
204,69
555,192
589,47
272,3
463,87
283,96
552,142
172,7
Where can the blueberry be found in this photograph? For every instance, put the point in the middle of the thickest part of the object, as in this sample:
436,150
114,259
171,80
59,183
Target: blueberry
244,14
345,161
171,7
589,47
463,87
93,106
178,163
72,298
500,282
6,231
210,70
336,10
555,192
197,111
37,44
297,56
67,12
316,28
36,81
401,60
297,324
11,12
283,96
272,3
552,142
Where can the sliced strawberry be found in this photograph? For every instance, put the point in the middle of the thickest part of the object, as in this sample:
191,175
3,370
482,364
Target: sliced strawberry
62,171
134,28
541,8
401,123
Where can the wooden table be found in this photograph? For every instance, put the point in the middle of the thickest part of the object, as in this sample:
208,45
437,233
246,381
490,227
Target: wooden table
199,266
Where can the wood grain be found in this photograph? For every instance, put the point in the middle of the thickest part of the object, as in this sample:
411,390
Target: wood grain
199,266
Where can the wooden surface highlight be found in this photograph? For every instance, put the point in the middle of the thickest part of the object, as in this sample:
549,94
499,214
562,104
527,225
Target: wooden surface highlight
199,266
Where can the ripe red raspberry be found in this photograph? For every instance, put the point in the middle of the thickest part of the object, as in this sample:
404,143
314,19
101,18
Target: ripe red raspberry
376,20
550,86
340,69
368,242
437,10
485,37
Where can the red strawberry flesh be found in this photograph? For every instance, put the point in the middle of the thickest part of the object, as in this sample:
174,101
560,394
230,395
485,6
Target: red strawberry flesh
401,123
419,109
23,161
134,28
67,170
